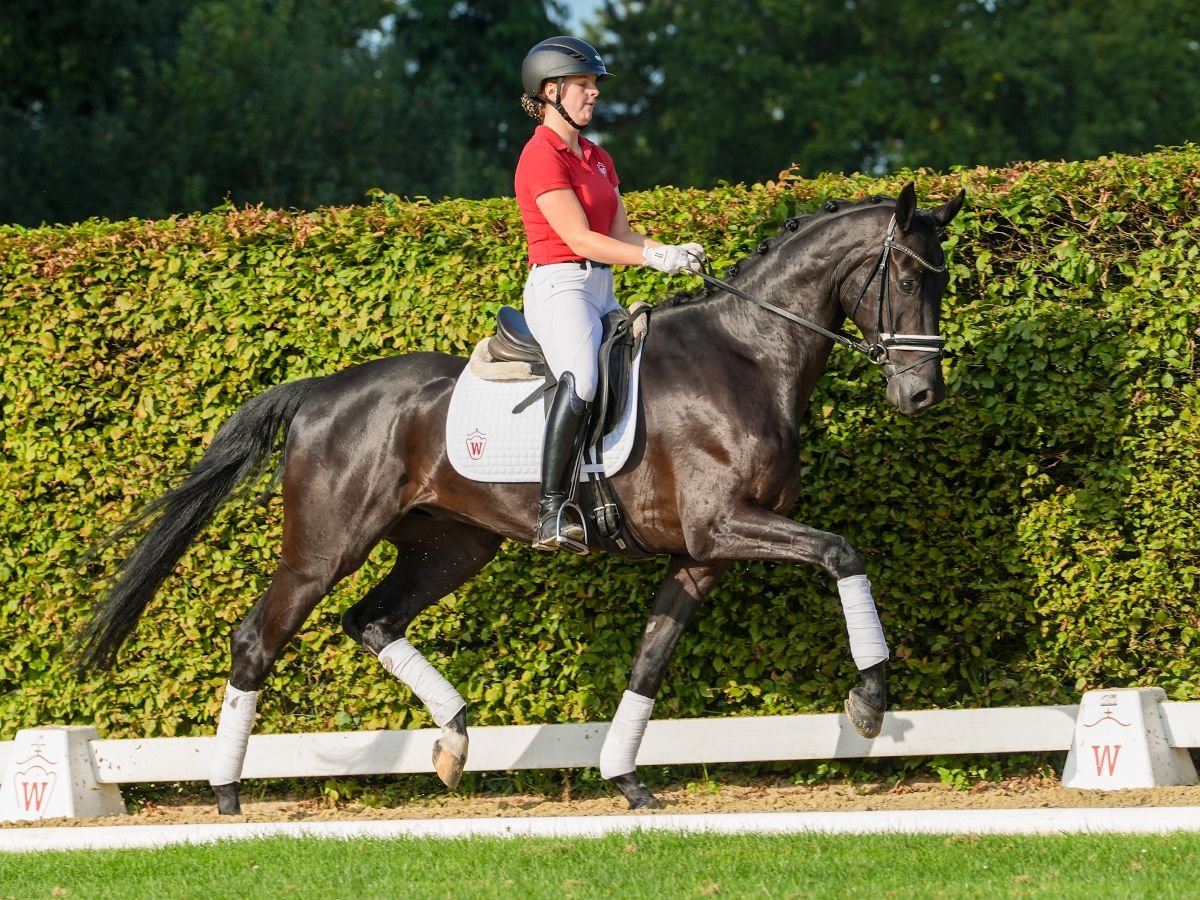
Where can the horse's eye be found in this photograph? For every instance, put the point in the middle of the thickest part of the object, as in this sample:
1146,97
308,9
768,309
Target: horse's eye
907,285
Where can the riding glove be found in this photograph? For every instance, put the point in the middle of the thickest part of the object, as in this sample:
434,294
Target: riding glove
671,259
696,252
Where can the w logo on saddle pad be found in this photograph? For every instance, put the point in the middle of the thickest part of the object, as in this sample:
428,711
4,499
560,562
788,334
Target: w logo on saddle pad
476,443
487,441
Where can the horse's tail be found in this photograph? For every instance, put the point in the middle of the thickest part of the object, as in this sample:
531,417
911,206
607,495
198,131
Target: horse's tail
242,448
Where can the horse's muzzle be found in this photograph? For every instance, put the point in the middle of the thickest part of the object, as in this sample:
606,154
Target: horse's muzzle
916,390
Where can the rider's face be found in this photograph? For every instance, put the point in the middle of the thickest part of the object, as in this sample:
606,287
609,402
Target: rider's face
578,96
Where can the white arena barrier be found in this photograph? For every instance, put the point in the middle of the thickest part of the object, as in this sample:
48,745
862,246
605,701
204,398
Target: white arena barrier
1124,740
41,763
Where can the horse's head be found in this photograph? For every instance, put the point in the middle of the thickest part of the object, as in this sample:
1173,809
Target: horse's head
896,303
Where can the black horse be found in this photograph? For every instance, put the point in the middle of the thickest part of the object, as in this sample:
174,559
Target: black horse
710,480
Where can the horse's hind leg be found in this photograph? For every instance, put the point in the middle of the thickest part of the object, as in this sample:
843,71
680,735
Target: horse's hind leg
434,557
678,597
257,643
329,528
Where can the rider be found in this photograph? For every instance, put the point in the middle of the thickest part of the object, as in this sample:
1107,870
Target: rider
577,229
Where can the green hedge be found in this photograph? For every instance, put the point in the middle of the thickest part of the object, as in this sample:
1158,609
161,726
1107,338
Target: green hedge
1030,538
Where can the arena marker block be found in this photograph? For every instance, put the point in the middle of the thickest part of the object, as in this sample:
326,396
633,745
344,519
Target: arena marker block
1121,742
50,775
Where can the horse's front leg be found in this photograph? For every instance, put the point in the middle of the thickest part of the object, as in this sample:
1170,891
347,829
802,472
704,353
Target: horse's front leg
678,597
754,533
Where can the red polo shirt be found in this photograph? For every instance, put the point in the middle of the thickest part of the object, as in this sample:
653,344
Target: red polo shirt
547,164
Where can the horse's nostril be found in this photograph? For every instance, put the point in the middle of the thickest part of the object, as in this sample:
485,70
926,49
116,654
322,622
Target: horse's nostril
922,399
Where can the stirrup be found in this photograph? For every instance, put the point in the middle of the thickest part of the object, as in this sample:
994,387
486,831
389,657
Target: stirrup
560,541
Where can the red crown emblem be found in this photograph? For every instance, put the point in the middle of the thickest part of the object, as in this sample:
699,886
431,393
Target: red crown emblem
476,442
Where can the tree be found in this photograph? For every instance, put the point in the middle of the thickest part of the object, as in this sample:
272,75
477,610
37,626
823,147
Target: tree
271,103
70,78
461,62
166,106
737,91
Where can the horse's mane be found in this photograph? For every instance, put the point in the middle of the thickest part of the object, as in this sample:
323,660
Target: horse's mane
794,228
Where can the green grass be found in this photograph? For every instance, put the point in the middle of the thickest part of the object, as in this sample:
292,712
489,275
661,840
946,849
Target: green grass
646,864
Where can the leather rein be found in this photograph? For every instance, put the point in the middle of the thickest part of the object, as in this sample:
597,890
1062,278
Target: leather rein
878,352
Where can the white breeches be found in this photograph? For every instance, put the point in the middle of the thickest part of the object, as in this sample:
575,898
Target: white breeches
564,307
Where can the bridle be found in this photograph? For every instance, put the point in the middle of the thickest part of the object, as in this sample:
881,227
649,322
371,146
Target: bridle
879,351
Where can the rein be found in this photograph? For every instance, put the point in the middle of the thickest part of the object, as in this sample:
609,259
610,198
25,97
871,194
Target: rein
885,341
844,340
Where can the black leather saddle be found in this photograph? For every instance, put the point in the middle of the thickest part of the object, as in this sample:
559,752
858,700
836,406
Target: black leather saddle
513,342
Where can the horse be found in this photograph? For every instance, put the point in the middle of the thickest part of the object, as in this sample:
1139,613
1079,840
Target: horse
711,478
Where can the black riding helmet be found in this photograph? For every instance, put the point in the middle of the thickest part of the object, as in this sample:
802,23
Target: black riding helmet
555,59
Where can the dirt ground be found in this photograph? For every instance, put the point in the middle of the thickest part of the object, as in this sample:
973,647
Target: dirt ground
764,796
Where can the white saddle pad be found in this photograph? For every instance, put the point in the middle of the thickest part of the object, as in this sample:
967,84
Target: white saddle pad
487,442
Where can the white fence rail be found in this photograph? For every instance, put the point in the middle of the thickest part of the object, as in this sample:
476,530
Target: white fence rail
667,742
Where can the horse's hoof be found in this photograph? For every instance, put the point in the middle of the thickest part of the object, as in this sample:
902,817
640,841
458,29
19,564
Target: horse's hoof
636,793
450,757
866,718
645,801
228,803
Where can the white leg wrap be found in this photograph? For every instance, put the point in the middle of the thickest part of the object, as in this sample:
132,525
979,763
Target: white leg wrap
867,643
619,754
404,661
233,734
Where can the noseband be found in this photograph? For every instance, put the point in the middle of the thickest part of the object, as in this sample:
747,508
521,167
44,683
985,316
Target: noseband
879,351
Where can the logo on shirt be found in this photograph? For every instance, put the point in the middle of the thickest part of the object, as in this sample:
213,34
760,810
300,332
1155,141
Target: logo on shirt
602,169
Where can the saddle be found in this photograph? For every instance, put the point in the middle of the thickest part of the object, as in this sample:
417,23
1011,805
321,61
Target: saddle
513,354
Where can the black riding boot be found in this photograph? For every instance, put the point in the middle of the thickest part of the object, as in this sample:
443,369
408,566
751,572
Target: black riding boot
560,452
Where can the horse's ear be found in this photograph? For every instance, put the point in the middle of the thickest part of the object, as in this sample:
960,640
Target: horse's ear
906,206
948,210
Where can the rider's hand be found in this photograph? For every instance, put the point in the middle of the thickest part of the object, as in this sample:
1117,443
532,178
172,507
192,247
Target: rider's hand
696,255
668,258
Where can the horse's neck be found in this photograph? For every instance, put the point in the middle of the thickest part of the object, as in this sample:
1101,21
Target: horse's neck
801,286
757,351
786,357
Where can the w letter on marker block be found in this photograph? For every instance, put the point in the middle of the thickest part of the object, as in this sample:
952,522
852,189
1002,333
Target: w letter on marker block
50,775
1120,742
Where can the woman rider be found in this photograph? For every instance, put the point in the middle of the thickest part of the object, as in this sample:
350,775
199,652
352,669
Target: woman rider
577,229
